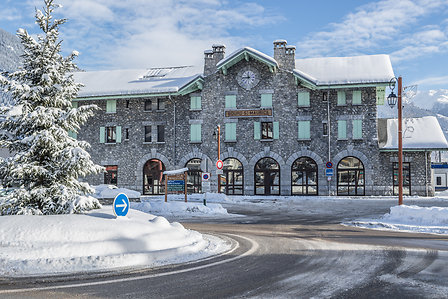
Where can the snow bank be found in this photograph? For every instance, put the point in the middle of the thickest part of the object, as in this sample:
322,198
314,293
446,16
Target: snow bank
110,191
37,245
176,208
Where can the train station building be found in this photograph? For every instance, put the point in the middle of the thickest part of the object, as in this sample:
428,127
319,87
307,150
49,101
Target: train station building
281,118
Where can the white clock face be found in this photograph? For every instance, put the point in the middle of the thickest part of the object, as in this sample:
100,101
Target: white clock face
247,79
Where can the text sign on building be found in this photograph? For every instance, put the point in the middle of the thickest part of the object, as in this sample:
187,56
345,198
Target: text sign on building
121,205
248,113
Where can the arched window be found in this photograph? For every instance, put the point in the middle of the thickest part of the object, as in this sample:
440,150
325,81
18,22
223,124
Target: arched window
232,181
194,180
304,177
153,181
267,177
351,177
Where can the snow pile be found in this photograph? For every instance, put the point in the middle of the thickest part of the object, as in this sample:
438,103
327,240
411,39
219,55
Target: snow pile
176,208
36,245
411,219
110,191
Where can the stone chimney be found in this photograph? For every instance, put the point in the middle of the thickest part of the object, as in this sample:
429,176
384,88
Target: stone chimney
212,57
285,55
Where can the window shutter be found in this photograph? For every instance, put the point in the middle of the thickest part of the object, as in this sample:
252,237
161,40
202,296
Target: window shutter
341,98
342,129
276,129
230,131
231,101
72,134
102,134
356,97
266,100
257,130
195,132
111,106
192,133
357,129
74,104
304,129
195,103
303,99
118,134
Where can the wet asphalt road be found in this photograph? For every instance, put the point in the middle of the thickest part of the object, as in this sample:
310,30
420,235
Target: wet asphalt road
280,253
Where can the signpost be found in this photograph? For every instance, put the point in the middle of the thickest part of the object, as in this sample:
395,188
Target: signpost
205,185
176,183
121,205
206,165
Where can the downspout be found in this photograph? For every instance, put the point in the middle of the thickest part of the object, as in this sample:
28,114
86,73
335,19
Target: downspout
174,123
426,174
329,135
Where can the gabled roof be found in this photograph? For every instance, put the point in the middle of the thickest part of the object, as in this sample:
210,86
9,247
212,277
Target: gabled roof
245,53
332,71
139,82
418,134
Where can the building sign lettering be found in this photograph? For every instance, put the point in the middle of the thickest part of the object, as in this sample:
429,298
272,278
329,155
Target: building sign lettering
248,113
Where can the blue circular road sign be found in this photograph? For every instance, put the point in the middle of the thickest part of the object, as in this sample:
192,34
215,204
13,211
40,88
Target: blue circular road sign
121,205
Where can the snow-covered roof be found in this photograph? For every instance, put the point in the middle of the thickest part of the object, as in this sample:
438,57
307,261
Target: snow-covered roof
176,171
239,54
418,134
345,70
136,81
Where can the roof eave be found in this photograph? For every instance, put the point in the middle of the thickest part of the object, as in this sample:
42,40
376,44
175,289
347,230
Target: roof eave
245,53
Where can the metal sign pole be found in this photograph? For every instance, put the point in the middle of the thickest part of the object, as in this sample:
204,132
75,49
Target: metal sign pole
185,185
166,188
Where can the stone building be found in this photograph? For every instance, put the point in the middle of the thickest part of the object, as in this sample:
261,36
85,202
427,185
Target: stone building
281,118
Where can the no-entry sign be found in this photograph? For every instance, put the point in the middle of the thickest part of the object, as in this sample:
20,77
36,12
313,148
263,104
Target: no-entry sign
219,164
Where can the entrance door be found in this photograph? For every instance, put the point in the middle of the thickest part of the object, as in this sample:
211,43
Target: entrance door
153,181
304,177
350,177
267,177
232,181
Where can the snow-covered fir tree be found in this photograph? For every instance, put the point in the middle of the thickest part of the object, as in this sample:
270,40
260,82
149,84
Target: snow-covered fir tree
38,129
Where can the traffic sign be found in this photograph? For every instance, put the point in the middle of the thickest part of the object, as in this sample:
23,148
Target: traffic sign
219,171
205,176
121,205
329,172
329,164
219,164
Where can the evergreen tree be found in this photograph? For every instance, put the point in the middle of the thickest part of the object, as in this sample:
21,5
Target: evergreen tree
46,161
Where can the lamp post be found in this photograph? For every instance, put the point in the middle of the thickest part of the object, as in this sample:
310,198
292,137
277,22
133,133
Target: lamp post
218,136
392,100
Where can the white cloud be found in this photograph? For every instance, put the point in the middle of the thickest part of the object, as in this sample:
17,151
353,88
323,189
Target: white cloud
440,80
9,14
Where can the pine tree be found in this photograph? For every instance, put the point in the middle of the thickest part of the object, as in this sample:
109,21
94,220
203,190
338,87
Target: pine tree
46,161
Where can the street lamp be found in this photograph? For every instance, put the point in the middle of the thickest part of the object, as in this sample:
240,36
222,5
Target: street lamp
392,100
218,137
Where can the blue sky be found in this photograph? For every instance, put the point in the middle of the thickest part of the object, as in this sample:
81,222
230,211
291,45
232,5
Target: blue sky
115,34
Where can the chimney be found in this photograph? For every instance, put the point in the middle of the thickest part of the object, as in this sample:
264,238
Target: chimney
284,55
212,57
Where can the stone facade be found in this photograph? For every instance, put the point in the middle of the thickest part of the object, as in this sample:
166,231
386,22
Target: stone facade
131,154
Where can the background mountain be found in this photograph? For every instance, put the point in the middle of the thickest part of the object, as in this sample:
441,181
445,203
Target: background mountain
10,51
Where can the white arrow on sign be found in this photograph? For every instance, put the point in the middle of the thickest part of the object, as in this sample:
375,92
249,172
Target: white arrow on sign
124,205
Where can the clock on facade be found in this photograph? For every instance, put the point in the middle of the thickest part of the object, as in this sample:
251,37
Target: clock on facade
247,78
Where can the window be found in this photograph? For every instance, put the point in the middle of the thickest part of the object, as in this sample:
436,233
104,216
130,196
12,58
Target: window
232,181
111,134
126,134
127,103
357,129
110,176
195,132
303,99
325,128
266,100
325,96
148,105
160,104
304,129
304,177
350,176
267,130
342,129
195,103
230,132
153,178
111,106
356,97
148,133
341,98
231,101
267,177
438,181
194,179
160,133
406,178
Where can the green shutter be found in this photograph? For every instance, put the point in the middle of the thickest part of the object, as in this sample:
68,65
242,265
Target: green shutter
195,103
118,134
72,134
74,104
257,130
356,97
276,129
230,131
304,129
303,99
102,134
357,129
111,106
342,129
380,95
341,98
195,132
266,100
231,101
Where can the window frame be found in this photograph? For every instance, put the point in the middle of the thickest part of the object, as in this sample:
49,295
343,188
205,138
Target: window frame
160,132
148,102
110,134
111,175
266,128
406,171
147,132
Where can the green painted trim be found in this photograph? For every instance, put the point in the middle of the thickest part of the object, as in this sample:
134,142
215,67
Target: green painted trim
245,54
191,87
416,150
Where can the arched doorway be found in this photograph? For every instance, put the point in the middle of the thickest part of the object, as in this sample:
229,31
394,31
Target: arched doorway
304,177
232,181
153,181
267,177
351,176
194,180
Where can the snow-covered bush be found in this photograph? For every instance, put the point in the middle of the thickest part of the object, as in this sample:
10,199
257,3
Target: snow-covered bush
38,129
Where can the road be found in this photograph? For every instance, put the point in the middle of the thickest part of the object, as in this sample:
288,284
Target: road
278,253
